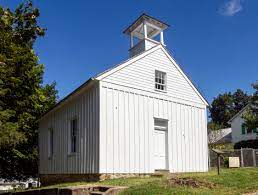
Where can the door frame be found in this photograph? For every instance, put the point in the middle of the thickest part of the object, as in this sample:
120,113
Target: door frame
166,140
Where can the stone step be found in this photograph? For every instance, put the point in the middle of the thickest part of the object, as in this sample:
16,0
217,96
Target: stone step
160,173
96,193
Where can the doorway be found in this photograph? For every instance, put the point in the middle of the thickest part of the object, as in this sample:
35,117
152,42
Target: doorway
160,144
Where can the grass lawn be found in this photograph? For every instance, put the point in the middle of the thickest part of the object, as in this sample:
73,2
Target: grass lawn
231,181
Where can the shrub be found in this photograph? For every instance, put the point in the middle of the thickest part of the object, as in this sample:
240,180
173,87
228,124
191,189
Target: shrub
226,162
247,144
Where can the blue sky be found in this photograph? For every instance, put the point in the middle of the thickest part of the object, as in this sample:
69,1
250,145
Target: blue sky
215,42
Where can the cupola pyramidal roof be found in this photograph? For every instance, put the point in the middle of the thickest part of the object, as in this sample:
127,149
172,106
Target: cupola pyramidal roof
145,32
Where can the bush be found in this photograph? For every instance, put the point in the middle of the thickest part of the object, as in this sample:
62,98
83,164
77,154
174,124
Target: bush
226,162
247,144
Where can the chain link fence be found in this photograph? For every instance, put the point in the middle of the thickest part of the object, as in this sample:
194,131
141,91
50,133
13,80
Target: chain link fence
248,157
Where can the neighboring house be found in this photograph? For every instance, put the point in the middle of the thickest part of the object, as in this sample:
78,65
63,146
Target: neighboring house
10,185
141,116
6,186
239,131
221,136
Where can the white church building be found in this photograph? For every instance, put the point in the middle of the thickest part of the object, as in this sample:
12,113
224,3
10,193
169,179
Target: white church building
141,116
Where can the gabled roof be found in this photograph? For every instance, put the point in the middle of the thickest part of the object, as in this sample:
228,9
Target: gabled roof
120,66
148,18
131,60
69,96
239,113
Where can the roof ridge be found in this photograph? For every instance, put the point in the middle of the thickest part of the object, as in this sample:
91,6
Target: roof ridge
243,109
123,62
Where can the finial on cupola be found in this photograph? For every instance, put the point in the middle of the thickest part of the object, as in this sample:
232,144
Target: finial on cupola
143,33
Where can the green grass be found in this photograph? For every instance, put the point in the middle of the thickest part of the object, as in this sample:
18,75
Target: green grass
231,181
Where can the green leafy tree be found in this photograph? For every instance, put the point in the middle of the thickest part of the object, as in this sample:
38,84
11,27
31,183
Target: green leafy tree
240,100
226,105
213,126
251,115
23,97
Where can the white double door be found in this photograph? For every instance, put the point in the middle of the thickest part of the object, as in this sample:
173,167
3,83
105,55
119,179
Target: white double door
160,145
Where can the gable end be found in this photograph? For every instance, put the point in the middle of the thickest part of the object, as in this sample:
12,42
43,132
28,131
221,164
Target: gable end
121,71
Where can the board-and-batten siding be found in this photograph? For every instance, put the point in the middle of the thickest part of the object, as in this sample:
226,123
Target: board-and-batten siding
116,123
85,107
127,126
128,106
141,74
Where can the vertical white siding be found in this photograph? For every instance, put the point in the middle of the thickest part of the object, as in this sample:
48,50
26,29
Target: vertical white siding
116,123
127,126
85,108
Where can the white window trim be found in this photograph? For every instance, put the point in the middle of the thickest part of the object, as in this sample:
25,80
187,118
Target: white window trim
162,128
165,81
70,153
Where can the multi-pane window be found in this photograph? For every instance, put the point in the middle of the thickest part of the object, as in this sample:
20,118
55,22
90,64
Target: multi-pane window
73,136
50,142
160,80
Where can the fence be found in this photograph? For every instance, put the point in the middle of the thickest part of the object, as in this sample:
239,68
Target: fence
248,157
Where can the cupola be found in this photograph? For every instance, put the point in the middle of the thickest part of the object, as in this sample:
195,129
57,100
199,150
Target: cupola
145,33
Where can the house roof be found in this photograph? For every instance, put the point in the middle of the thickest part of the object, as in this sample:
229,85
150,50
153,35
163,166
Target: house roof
120,66
65,99
220,136
237,114
148,18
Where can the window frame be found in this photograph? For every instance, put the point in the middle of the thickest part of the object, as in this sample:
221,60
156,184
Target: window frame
163,122
73,136
160,84
50,143
243,129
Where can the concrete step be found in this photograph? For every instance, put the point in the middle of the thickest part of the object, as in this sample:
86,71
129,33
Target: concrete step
96,193
160,173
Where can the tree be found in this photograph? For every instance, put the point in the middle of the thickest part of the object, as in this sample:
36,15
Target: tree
23,97
240,100
213,126
251,115
226,105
